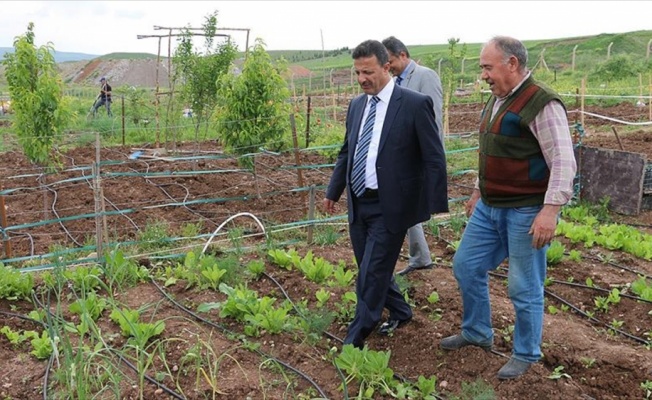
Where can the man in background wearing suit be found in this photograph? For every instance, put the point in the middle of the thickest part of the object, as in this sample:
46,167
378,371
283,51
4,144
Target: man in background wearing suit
393,168
424,80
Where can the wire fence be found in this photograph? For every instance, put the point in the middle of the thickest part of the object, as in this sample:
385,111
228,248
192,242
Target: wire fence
147,197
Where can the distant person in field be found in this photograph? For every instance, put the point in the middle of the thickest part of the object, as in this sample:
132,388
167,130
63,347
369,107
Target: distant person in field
104,98
526,172
409,74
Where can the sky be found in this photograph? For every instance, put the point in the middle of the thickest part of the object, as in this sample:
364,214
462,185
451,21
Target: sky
102,27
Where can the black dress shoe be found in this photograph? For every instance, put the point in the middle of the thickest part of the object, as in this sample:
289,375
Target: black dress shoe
411,268
391,325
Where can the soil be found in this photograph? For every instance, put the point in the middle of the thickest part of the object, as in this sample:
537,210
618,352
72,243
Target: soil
600,363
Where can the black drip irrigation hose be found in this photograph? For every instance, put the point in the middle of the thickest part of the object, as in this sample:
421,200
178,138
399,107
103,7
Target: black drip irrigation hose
629,296
46,376
613,264
592,319
225,330
23,317
597,289
131,366
54,211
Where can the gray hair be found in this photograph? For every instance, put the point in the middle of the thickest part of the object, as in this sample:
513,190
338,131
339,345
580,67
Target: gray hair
511,47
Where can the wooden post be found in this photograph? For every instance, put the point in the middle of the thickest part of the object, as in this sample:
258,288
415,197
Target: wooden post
613,128
308,109
573,59
3,219
100,217
98,221
583,92
297,160
311,213
122,98
334,105
157,101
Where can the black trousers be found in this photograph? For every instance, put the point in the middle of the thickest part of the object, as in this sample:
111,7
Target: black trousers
376,252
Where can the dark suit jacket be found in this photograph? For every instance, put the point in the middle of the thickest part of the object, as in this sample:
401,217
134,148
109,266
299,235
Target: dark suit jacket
411,164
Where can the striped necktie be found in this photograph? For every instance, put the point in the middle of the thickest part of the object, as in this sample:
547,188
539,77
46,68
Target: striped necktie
360,158
399,80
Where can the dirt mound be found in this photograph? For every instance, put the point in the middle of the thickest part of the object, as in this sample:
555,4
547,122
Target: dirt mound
142,73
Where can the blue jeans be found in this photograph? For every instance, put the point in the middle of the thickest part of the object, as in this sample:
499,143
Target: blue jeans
492,235
102,102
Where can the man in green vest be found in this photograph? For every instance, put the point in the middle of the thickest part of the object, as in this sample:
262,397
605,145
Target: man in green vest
526,172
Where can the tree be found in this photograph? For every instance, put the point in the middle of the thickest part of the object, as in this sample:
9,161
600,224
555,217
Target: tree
254,106
198,72
36,91
449,79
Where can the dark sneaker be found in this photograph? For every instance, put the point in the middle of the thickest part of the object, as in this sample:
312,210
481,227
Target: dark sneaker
411,268
513,369
456,342
388,327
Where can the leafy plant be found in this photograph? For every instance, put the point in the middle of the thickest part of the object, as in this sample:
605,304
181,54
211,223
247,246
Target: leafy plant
641,287
369,368
138,332
558,373
14,337
42,345
575,255
272,320
555,253
342,277
91,306
121,271
197,73
346,306
36,92
254,109
256,267
14,285
212,276
587,362
315,269
433,298
322,296
84,279
284,259
647,387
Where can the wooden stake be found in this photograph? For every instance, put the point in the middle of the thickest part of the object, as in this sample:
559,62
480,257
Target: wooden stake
583,92
297,160
311,213
3,219
613,128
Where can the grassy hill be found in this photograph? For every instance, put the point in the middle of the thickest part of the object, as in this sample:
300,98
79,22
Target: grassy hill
315,68
557,53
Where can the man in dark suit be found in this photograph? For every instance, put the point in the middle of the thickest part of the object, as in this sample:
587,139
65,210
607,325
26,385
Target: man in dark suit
393,167
413,76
